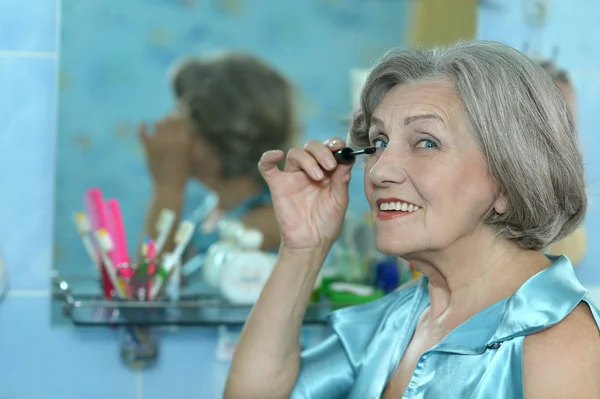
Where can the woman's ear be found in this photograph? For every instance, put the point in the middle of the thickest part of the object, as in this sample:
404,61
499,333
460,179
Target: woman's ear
501,204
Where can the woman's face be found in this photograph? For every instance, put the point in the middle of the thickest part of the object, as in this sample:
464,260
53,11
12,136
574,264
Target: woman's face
429,165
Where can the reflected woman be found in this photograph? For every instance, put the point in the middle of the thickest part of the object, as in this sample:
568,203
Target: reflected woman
231,108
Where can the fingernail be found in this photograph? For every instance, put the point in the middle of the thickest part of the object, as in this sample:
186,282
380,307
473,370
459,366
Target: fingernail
333,142
330,163
318,173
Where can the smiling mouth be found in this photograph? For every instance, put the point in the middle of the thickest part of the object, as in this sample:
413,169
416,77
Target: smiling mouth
390,209
398,206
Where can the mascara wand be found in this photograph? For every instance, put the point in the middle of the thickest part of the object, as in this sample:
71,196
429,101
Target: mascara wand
346,155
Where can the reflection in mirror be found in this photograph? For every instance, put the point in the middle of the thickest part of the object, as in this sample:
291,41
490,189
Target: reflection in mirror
165,109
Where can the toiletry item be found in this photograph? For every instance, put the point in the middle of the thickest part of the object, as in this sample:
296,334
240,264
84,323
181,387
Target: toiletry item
230,233
151,264
3,279
94,204
388,274
208,206
414,273
243,276
216,256
95,207
249,239
106,246
346,155
182,239
364,242
116,229
84,229
346,294
151,254
165,222
173,285
355,289
140,281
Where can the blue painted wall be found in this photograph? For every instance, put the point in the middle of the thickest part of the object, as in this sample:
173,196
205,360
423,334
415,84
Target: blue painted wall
36,360
572,29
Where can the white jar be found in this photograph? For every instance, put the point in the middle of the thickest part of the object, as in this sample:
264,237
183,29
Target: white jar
243,277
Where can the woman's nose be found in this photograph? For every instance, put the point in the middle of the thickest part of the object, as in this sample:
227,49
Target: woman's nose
388,169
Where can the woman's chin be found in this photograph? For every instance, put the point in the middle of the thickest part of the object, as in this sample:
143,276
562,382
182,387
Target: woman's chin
394,248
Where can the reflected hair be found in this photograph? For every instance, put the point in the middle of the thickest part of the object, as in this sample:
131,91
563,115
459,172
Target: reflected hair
239,104
521,122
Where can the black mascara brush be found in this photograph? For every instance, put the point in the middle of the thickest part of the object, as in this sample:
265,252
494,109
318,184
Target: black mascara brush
346,155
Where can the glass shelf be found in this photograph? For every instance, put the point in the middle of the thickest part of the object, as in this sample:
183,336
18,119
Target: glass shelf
194,309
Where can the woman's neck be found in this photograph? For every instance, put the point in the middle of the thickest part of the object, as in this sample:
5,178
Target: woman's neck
472,274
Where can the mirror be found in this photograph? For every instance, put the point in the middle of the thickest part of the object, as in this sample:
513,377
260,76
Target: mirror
116,67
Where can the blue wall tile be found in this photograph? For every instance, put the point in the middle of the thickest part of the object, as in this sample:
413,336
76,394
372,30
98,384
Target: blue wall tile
28,25
27,114
39,362
502,22
187,367
572,28
588,97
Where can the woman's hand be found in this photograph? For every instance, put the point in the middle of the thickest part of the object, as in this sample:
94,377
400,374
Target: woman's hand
168,152
310,196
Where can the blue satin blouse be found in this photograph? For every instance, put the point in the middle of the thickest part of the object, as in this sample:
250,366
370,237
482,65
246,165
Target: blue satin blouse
481,358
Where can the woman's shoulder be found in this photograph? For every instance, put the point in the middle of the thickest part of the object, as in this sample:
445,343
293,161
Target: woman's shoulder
564,360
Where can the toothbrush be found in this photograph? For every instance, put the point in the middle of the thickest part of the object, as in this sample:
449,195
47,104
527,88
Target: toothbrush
95,207
346,155
84,228
182,238
166,218
106,245
151,264
116,230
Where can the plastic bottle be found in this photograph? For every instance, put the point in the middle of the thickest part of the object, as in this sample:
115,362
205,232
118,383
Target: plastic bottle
219,253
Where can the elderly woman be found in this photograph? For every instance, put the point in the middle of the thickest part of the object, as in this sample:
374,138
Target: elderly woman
477,169
232,108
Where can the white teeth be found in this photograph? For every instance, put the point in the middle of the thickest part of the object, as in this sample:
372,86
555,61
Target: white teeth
398,206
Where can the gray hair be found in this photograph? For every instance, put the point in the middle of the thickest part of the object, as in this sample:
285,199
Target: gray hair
521,122
560,75
239,104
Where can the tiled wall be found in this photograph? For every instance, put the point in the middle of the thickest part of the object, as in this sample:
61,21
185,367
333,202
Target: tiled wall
38,362
35,360
573,30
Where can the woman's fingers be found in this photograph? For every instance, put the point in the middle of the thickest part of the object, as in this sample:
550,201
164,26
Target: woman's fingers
268,164
322,154
315,159
299,159
335,144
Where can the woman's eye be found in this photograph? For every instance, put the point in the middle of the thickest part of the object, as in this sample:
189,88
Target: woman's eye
426,143
379,143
